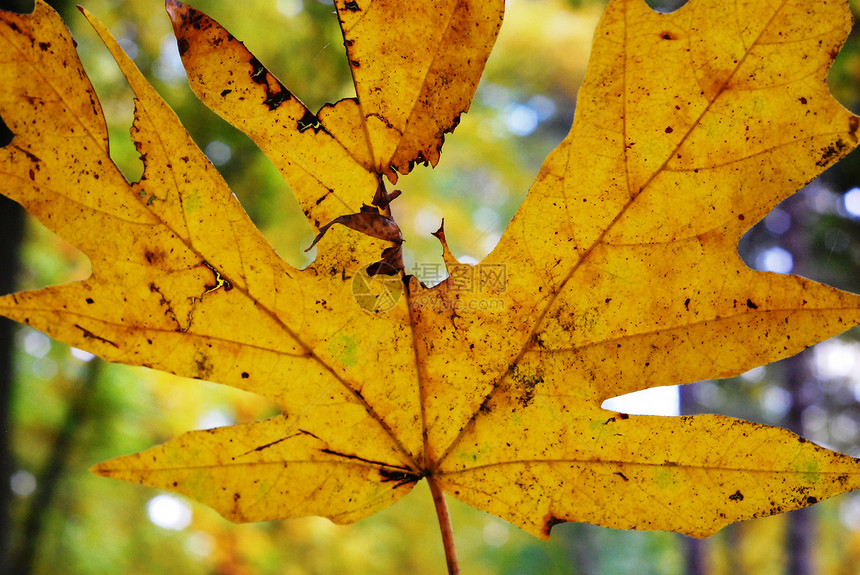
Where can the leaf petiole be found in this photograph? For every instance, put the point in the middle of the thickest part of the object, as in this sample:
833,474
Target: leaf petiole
445,526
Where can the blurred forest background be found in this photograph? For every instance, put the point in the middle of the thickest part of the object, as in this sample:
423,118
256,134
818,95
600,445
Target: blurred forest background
62,411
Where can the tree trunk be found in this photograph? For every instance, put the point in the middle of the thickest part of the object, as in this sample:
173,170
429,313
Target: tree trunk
801,523
694,549
12,218
11,233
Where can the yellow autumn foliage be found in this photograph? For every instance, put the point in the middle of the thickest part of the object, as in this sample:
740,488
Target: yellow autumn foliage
620,271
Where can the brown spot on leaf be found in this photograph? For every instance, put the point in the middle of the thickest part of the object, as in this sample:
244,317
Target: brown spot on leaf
832,152
309,122
524,386
203,366
90,335
276,93
398,476
551,521
220,280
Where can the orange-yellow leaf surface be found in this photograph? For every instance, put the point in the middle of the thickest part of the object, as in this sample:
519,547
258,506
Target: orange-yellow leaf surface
620,271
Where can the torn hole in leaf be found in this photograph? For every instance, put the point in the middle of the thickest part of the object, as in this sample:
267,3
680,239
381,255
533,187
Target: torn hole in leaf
665,6
664,400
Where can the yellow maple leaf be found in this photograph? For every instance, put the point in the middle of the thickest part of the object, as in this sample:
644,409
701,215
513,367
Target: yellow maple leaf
620,271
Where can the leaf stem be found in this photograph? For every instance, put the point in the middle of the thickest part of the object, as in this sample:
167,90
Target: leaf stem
445,526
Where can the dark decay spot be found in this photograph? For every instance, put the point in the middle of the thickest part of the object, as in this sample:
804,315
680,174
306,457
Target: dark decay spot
225,92
220,280
829,153
550,521
621,475
43,46
741,217
258,71
32,175
30,156
309,122
182,44
618,416
736,496
812,500
525,385
398,477
802,100
90,335
751,304
236,497
276,93
454,123
666,35
175,483
245,375
529,386
354,63
273,100
202,365
668,129
853,124
90,300
324,196
352,6
687,304
402,475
